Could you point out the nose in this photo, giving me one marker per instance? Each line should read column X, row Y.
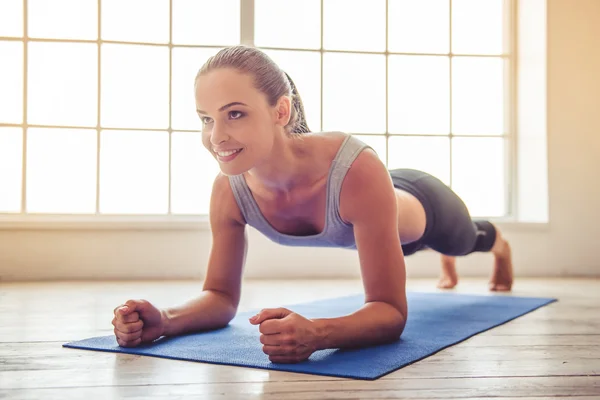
column 218, row 135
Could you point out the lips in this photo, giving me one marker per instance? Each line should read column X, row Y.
column 227, row 155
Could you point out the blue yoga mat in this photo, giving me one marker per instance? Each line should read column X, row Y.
column 436, row 321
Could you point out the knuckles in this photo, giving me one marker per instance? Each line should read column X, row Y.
column 127, row 327
column 263, row 339
column 133, row 327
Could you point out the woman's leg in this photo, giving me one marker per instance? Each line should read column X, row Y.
column 502, row 274
column 451, row 231
column 448, row 276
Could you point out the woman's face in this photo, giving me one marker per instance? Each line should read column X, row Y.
column 238, row 123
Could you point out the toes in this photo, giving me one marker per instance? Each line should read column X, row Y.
column 446, row 284
column 500, row 287
column 503, row 288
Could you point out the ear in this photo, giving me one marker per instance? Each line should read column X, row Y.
column 283, row 111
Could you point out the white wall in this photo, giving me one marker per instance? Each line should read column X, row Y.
column 567, row 246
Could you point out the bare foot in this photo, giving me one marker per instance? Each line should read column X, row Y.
column 449, row 278
column 502, row 275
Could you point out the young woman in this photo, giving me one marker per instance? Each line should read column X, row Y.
column 301, row 188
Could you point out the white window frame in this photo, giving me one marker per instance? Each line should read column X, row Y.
column 26, row 220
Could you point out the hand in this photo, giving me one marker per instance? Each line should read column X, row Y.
column 137, row 321
column 287, row 337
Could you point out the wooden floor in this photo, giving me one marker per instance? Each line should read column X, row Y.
column 553, row 352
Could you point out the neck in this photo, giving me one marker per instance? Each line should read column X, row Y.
column 288, row 166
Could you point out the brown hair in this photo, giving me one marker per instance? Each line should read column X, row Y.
column 268, row 78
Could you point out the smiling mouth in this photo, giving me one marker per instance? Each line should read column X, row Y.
column 227, row 153
column 226, row 156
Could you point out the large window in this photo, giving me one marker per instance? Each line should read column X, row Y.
column 97, row 112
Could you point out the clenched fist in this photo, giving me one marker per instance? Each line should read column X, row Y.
column 287, row 337
column 137, row 321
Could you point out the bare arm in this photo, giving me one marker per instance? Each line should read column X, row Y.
column 368, row 202
column 216, row 306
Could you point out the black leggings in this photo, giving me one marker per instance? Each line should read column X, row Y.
column 449, row 228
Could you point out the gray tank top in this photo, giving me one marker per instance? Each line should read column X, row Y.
column 336, row 233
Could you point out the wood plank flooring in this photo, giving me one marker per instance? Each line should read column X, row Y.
column 553, row 352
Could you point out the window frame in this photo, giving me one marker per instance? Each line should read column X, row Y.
column 26, row 220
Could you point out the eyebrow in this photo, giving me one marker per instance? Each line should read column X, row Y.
column 226, row 106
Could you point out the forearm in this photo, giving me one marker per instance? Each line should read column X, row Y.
column 210, row 310
column 375, row 323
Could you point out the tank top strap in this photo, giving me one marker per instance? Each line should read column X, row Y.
column 348, row 152
column 245, row 201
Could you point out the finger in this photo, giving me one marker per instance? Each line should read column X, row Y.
column 131, row 306
column 137, row 305
column 272, row 340
column 292, row 356
column 129, row 344
column 117, row 307
column 286, row 359
column 128, row 318
column 269, row 313
column 123, row 309
column 130, row 327
column 276, row 350
column 128, row 337
column 271, row 327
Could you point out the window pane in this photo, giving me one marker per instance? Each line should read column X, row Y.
column 135, row 86
column 136, row 20
column 11, row 159
column 134, row 172
column 272, row 23
column 11, row 18
column 187, row 62
column 478, row 174
column 477, row 96
column 429, row 154
column 354, row 93
column 193, row 170
column 419, row 94
column 62, row 84
column 477, row 26
column 63, row 19
column 206, row 22
column 61, row 170
column 11, row 82
column 421, row 26
column 377, row 142
column 304, row 68
column 353, row 25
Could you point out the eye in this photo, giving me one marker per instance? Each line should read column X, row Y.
column 206, row 120
column 235, row 114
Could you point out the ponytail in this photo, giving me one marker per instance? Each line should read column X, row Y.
column 297, row 124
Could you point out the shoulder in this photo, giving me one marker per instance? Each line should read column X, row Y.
column 330, row 140
column 367, row 171
column 223, row 205
column 367, row 188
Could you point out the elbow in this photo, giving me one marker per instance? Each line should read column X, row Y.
column 398, row 330
column 398, row 325
column 391, row 320
column 228, row 315
column 394, row 324
column 223, row 319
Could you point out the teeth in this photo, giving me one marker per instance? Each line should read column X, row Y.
column 227, row 153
